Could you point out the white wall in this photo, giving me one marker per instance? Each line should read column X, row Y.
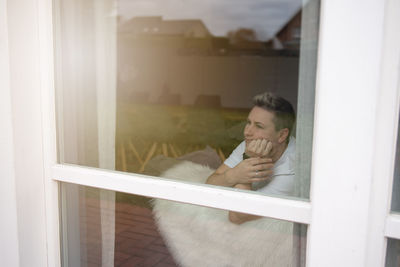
column 8, row 206
column 22, row 168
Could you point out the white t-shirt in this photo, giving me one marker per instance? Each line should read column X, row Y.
column 282, row 182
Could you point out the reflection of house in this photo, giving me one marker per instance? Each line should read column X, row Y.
column 289, row 35
column 189, row 37
column 157, row 26
column 201, row 69
column 184, row 37
column 249, row 48
column 243, row 41
column 220, row 45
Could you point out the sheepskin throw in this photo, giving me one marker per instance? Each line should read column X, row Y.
column 201, row 236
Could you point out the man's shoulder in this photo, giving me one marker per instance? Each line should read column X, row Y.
column 291, row 148
column 236, row 156
column 286, row 164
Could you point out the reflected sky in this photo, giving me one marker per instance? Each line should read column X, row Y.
column 266, row 17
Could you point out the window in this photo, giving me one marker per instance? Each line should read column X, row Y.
column 167, row 103
column 143, row 103
column 168, row 233
column 343, row 193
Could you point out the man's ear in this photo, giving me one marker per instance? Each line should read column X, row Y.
column 283, row 135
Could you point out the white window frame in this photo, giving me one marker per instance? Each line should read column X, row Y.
column 348, row 216
column 382, row 223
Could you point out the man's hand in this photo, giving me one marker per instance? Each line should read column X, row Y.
column 259, row 148
column 250, row 171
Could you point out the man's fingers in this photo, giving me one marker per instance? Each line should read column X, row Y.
column 257, row 148
column 253, row 144
column 261, row 146
column 268, row 148
column 262, row 167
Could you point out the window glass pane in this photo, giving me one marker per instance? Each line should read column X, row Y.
column 396, row 182
column 145, row 85
column 102, row 228
column 393, row 253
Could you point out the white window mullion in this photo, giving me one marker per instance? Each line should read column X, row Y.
column 47, row 93
column 346, row 98
column 385, row 141
column 253, row 203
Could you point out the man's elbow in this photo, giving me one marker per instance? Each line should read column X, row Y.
column 235, row 218
column 239, row 218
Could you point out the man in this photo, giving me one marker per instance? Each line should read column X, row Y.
column 265, row 160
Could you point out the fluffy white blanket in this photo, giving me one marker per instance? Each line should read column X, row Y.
column 201, row 236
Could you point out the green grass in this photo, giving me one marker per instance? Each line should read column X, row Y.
column 186, row 128
column 181, row 125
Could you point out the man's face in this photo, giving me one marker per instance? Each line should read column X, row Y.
column 260, row 125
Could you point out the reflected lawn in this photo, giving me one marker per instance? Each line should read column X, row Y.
column 148, row 130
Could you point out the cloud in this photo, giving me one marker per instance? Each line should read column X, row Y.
column 127, row 7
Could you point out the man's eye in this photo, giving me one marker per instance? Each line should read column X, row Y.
column 259, row 126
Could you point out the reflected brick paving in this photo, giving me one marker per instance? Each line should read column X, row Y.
column 137, row 240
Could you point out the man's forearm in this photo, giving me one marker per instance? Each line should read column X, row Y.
column 220, row 179
column 238, row 217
